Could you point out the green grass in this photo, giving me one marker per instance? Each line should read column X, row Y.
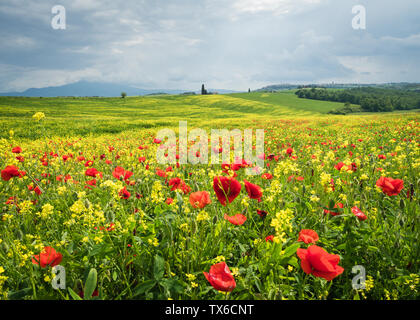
column 159, row 249
column 95, row 116
column 287, row 99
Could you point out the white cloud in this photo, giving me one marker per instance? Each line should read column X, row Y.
column 233, row 44
column 412, row 40
column 24, row 78
column 17, row 42
column 86, row 4
column 275, row 6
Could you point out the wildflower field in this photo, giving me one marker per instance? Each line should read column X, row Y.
column 80, row 188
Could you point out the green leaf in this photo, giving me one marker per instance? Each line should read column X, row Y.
column 158, row 210
column 70, row 247
column 276, row 250
column 287, row 278
column 159, row 267
column 341, row 246
column 331, row 204
column 74, row 295
column 144, row 287
column 172, row 285
column 293, row 261
column 291, row 250
column 402, row 204
column 17, row 295
column 180, row 201
column 90, row 284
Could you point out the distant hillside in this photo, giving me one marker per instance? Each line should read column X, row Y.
column 95, row 89
column 401, row 85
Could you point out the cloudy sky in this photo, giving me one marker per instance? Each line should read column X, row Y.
column 230, row 44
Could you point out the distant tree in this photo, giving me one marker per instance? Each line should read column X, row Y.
column 249, row 90
column 203, row 90
column 123, row 95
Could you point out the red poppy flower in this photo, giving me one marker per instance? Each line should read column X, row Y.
column 48, row 257
column 226, row 189
column 269, row 238
column 157, row 141
column 220, row 277
column 319, row 262
column 11, row 200
column 124, row 194
column 339, row 165
column 89, row 163
column 352, row 167
column 92, row 172
column 185, row 188
column 293, row 177
column 289, row 151
column 94, row 294
column 200, row 199
column 308, row 236
column 175, row 183
column 236, row 166
column 337, row 205
column 118, row 172
column 267, row 176
column 91, row 182
column 389, row 186
column 10, row 172
column 358, row 213
column 169, row 201
column 237, row 219
column 17, row 150
column 254, row 191
column 262, row 213
column 161, row 173
column 38, row 190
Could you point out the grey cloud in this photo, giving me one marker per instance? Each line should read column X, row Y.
column 231, row 44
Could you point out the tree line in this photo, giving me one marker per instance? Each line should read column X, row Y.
column 370, row 99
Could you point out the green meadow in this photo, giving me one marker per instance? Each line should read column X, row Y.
column 334, row 192
column 83, row 116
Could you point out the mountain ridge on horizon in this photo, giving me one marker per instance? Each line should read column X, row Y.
column 106, row 89
column 96, row 89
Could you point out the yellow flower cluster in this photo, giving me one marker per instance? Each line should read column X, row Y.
column 26, row 206
column 47, row 210
column 154, row 242
column 413, row 282
column 156, row 194
column 282, row 223
column 2, row 281
column 38, row 116
column 202, row 216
